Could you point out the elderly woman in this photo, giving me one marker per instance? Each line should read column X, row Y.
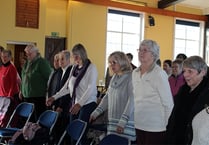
column 119, row 98
column 190, row 100
column 152, row 96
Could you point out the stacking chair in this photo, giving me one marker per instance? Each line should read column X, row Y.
column 75, row 130
column 47, row 120
column 113, row 139
column 23, row 110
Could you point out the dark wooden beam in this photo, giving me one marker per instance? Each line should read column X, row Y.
column 166, row 3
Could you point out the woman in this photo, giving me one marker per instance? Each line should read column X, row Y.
column 119, row 98
column 53, row 78
column 190, row 100
column 167, row 67
column 176, row 80
column 152, row 96
column 81, row 85
column 9, row 87
column 200, row 125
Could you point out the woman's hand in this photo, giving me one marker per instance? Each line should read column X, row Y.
column 119, row 129
column 75, row 109
column 49, row 101
column 91, row 119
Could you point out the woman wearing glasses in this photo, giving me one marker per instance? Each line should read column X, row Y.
column 152, row 96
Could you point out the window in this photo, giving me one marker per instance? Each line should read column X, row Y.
column 188, row 38
column 124, row 33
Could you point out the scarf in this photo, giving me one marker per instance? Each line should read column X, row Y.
column 80, row 75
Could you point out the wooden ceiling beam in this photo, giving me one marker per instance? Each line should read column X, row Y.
column 166, row 3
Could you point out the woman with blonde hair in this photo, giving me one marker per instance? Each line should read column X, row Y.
column 119, row 99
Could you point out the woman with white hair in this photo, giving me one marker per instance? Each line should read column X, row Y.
column 152, row 96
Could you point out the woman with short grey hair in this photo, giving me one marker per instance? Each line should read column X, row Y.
column 196, row 62
column 189, row 101
column 152, row 46
column 152, row 96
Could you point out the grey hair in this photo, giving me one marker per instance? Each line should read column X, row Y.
column 195, row 62
column 122, row 60
column 80, row 50
column 153, row 47
column 66, row 53
column 31, row 47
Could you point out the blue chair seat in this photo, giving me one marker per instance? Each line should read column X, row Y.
column 23, row 110
column 113, row 139
column 8, row 132
column 75, row 130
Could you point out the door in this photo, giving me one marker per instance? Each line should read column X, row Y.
column 53, row 45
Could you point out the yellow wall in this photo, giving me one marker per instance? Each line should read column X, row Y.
column 88, row 26
column 83, row 23
column 189, row 10
column 163, row 34
column 10, row 32
column 52, row 17
column 56, row 14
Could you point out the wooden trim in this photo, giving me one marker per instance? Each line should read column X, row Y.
column 150, row 10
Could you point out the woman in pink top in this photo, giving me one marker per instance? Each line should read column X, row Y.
column 176, row 80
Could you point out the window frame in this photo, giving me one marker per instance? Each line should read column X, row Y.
column 189, row 22
column 141, row 32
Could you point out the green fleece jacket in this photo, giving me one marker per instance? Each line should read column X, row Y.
column 35, row 75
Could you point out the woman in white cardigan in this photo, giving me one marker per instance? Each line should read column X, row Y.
column 152, row 96
column 81, row 85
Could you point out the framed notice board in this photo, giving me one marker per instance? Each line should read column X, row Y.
column 27, row 13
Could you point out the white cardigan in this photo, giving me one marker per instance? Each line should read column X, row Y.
column 200, row 126
column 153, row 99
column 86, row 91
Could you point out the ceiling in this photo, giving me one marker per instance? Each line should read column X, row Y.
column 203, row 4
column 200, row 4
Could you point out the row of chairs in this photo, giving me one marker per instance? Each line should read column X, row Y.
column 48, row 119
column 77, row 128
column 24, row 111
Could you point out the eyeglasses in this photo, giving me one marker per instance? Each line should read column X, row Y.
column 112, row 62
column 143, row 50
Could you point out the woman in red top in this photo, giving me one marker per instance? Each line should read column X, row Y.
column 9, row 87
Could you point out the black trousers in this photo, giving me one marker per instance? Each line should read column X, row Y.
column 40, row 106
